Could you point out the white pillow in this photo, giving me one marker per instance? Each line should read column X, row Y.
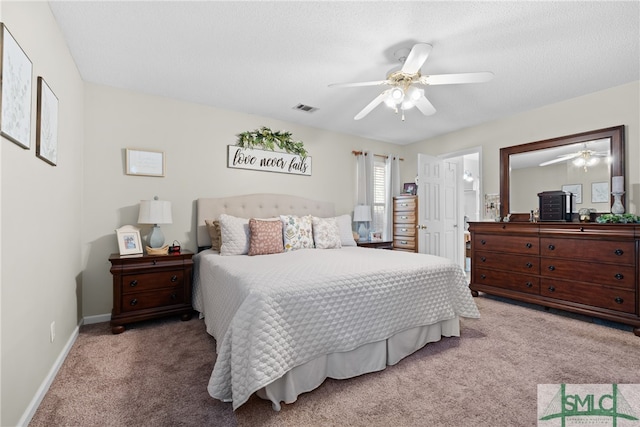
column 235, row 235
column 326, row 234
column 346, row 233
column 297, row 232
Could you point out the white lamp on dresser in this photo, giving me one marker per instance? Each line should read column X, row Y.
column 362, row 214
column 155, row 212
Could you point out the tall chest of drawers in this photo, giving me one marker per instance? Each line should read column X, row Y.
column 587, row 268
column 405, row 220
column 150, row 286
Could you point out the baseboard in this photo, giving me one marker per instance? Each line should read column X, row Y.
column 44, row 387
column 89, row 320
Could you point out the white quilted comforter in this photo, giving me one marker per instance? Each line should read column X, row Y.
column 271, row 313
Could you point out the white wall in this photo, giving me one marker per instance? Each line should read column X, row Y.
column 611, row 107
column 41, row 220
column 194, row 139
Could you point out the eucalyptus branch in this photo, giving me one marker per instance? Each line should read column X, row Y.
column 267, row 139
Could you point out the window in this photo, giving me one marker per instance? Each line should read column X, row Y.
column 378, row 222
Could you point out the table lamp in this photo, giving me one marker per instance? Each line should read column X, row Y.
column 362, row 214
column 155, row 212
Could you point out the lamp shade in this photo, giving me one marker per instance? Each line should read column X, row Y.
column 362, row 213
column 155, row 212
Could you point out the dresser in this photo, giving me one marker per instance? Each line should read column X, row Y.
column 586, row 268
column 150, row 286
column 405, row 221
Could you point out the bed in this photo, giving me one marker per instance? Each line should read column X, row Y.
column 284, row 322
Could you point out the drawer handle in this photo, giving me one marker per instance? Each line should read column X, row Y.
column 529, row 285
column 618, row 252
column 619, row 300
column 174, row 296
column 529, row 245
column 133, row 283
column 529, row 265
column 551, row 268
column 404, row 217
column 404, row 229
column 404, row 242
column 154, row 262
column 483, row 259
column 174, row 278
column 404, row 204
column 552, row 289
column 483, row 242
column 133, row 302
column 551, row 247
column 619, row 276
column 483, row 276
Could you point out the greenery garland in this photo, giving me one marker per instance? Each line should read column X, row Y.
column 267, row 139
column 618, row 218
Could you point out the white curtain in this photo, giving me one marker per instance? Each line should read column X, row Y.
column 392, row 188
column 365, row 179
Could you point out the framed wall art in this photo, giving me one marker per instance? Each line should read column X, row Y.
column 575, row 189
column 15, row 102
column 600, row 192
column 47, row 124
column 129, row 242
column 145, row 163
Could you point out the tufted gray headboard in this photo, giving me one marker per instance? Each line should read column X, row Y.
column 256, row 206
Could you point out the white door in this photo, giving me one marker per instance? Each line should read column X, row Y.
column 438, row 208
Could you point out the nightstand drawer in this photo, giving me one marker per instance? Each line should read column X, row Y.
column 159, row 298
column 147, row 281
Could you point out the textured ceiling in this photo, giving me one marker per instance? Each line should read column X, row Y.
column 264, row 58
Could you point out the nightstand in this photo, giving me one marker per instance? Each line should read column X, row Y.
column 377, row 245
column 150, row 286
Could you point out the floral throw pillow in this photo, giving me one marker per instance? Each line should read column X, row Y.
column 265, row 237
column 326, row 234
column 297, row 231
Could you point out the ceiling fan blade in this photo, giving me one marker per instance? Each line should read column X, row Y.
column 560, row 159
column 416, row 58
column 357, row 84
column 425, row 106
column 451, row 79
column 370, row 106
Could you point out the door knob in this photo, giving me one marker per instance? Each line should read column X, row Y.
column 421, row 227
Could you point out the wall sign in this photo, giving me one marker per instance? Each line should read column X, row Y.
column 267, row 161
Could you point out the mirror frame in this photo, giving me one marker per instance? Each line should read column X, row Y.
column 617, row 167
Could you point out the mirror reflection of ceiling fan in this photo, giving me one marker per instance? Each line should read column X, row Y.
column 406, row 89
column 583, row 158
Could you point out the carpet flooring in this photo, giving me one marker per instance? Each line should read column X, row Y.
column 156, row 374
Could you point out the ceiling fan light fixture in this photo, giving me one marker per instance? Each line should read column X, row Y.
column 397, row 95
column 579, row 161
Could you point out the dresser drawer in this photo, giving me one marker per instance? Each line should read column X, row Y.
column 405, row 243
column 404, row 218
column 585, row 249
column 622, row 276
column 501, row 243
column 160, row 298
column 517, row 263
column 404, row 230
column 506, row 280
column 404, row 205
column 147, row 281
column 594, row 295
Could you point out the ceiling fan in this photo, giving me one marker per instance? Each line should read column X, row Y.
column 582, row 158
column 406, row 91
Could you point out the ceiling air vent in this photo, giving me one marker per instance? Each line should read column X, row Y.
column 305, row 108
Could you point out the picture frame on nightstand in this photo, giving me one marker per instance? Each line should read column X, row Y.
column 129, row 242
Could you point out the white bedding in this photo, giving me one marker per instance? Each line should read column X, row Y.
column 271, row 313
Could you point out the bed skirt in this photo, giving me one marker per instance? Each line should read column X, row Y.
column 367, row 358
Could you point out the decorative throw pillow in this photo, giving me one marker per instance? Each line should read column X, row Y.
column 235, row 235
column 326, row 234
column 265, row 237
column 346, row 232
column 297, row 231
column 213, row 226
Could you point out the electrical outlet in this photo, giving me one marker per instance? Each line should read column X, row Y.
column 53, row 331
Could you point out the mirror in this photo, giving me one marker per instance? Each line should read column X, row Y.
column 582, row 164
